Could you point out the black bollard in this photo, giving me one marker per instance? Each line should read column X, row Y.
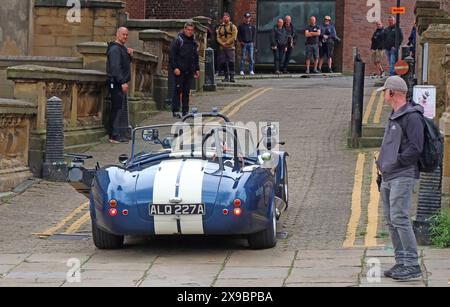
column 357, row 101
column 210, row 80
column 54, row 168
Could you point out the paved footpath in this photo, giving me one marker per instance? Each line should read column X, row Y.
column 322, row 237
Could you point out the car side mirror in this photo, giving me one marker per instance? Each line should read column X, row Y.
column 123, row 158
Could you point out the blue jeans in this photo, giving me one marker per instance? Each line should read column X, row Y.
column 390, row 53
column 248, row 47
column 396, row 196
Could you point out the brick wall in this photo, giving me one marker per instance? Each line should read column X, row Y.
column 136, row 8
column 167, row 9
column 351, row 20
column 358, row 31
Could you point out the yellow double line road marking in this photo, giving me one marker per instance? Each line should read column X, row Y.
column 372, row 214
column 51, row 231
column 356, row 202
column 78, row 223
column 233, row 107
column 370, row 106
column 370, row 237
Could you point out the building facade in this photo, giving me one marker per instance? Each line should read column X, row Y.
column 354, row 20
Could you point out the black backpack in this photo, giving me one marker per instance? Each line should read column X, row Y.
column 433, row 147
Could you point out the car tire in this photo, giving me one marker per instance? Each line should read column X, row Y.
column 266, row 238
column 105, row 240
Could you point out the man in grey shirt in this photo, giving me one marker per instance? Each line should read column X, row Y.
column 399, row 165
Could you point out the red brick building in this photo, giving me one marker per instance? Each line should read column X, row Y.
column 354, row 19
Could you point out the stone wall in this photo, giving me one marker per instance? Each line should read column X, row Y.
column 14, row 27
column 16, row 121
column 56, row 35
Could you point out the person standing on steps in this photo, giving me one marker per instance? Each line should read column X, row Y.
column 118, row 70
column 226, row 37
column 328, row 38
column 312, row 33
column 279, row 44
column 184, row 62
column 377, row 47
column 292, row 39
column 246, row 37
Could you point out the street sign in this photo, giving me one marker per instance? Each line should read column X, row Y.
column 398, row 10
column 401, row 68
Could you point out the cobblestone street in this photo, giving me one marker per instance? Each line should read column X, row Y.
column 321, row 240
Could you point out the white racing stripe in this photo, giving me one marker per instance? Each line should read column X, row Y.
column 190, row 191
column 163, row 189
column 191, row 187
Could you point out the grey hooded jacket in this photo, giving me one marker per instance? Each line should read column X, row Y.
column 402, row 143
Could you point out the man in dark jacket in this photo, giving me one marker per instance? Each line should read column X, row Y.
column 292, row 39
column 377, row 47
column 118, row 70
column 389, row 43
column 279, row 44
column 246, row 38
column 399, row 165
column 184, row 62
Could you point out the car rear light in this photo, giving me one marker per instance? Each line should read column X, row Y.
column 125, row 212
column 225, row 212
column 237, row 202
column 113, row 212
column 113, row 203
column 237, row 211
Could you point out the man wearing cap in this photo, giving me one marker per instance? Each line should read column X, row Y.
column 226, row 37
column 312, row 33
column 246, row 37
column 328, row 36
column 399, row 166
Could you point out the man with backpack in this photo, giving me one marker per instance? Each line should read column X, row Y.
column 399, row 161
column 227, row 34
column 184, row 62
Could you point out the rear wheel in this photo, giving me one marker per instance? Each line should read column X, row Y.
column 105, row 240
column 266, row 238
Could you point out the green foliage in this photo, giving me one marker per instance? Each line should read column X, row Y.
column 440, row 230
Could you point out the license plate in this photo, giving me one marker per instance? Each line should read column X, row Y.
column 180, row 209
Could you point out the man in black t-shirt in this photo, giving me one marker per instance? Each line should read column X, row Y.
column 312, row 33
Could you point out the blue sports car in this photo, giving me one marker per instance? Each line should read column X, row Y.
column 212, row 178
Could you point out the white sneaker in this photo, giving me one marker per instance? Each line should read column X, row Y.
column 252, row 73
column 242, row 73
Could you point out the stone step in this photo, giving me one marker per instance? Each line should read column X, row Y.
column 81, row 148
column 142, row 105
column 137, row 118
column 367, row 142
column 373, row 131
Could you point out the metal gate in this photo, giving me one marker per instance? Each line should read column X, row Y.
column 300, row 11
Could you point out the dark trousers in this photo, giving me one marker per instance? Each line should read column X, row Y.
column 228, row 57
column 287, row 58
column 278, row 56
column 117, row 102
column 182, row 87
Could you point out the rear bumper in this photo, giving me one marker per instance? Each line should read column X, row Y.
column 216, row 224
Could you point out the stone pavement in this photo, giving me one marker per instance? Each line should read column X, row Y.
column 148, row 267
column 314, row 116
